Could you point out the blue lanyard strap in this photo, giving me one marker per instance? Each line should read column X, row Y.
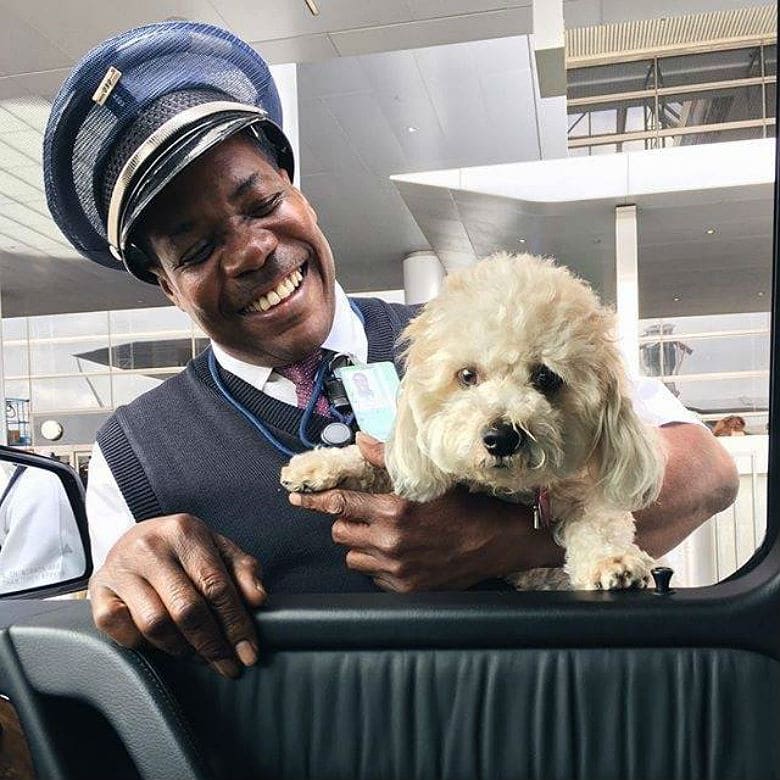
column 251, row 418
column 305, row 419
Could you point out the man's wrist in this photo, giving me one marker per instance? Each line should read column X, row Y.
column 522, row 547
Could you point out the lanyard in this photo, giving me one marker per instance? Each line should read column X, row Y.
column 305, row 419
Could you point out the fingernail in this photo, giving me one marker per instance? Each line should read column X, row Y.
column 226, row 668
column 295, row 499
column 247, row 652
column 259, row 586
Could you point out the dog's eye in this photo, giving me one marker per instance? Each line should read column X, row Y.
column 467, row 377
column 545, row 379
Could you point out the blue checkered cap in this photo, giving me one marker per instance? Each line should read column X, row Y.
column 134, row 112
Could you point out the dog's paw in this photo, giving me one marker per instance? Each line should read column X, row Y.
column 621, row 572
column 309, row 472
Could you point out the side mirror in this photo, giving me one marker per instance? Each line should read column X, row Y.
column 44, row 540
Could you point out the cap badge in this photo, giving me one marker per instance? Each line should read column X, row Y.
column 106, row 86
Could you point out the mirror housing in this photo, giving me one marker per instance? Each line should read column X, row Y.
column 68, row 488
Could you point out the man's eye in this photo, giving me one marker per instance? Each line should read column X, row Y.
column 267, row 206
column 545, row 379
column 199, row 254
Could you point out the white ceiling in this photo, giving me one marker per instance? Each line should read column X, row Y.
column 565, row 209
column 473, row 103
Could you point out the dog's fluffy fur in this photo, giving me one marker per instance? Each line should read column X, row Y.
column 502, row 319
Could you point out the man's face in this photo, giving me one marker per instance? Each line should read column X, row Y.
column 233, row 237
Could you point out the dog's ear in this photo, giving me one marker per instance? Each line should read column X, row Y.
column 414, row 475
column 627, row 458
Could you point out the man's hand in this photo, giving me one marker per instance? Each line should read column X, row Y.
column 172, row 583
column 452, row 543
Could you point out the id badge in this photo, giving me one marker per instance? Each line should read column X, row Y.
column 372, row 390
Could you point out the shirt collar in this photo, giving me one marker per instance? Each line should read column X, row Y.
column 347, row 335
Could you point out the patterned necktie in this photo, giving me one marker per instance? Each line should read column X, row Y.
column 303, row 375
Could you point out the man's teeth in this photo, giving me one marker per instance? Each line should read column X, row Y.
column 284, row 289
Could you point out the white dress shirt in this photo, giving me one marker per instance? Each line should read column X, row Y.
column 108, row 513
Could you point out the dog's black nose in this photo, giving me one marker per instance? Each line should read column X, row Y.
column 502, row 439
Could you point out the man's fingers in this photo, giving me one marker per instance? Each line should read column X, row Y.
column 112, row 616
column 352, row 534
column 187, row 605
column 364, row 562
column 207, row 576
column 245, row 569
column 376, row 568
column 350, row 504
column 371, row 449
column 154, row 622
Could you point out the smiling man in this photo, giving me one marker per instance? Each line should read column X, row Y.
column 164, row 153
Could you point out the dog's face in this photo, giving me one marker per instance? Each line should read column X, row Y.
column 514, row 382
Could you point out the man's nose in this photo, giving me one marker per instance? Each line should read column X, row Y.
column 249, row 249
column 502, row 439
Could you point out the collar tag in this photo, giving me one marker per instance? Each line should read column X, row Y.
column 542, row 510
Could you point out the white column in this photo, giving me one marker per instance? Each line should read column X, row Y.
column 549, row 47
column 286, row 80
column 423, row 274
column 627, row 277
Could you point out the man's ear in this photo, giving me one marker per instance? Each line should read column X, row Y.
column 165, row 285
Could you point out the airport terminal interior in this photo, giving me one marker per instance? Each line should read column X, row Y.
column 634, row 142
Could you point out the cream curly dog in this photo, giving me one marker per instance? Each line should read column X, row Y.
column 514, row 386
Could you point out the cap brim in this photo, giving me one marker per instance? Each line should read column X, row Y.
column 147, row 179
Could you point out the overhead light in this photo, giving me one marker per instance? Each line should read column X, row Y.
column 760, row 294
column 710, row 231
column 312, row 6
column 676, row 299
column 411, row 129
column 521, row 240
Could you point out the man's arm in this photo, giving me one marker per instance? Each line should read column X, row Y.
column 700, row 480
column 463, row 538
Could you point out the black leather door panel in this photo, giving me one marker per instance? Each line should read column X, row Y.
column 683, row 714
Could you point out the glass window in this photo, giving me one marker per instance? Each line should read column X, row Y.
column 709, row 66
column 17, row 388
column 71, row 393
column 708, row 323
column 722, row 396
column 770, row 60
column 711, row 107
column 771, row 98
column 610, row 79
column 636, row 146
column 628, row 116
column 84, row 356
column 603, row 149
column 15, row 359
column 127, row 387
column 715, row 355
column 153, row 320
column 14, row 328
column 17, row 413
column 712, row 137
column 62, row 325
column 143, row 352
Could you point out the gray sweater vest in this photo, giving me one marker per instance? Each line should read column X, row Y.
column 182, row 448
